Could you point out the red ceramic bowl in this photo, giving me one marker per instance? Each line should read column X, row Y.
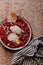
column 17, row 48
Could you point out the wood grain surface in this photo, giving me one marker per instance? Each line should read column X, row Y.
column 32, row 11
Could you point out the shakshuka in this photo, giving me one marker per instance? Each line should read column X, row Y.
column 14, row 35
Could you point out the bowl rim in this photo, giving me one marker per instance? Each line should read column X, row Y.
column 27, row 41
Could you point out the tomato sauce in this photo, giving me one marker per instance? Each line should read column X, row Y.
column 23, row 37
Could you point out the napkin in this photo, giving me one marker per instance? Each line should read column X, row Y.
column 32, row 50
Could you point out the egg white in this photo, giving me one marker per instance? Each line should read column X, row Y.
column 12, row 37
column 15, row 29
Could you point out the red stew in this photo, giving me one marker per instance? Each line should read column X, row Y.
column 5, row 31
